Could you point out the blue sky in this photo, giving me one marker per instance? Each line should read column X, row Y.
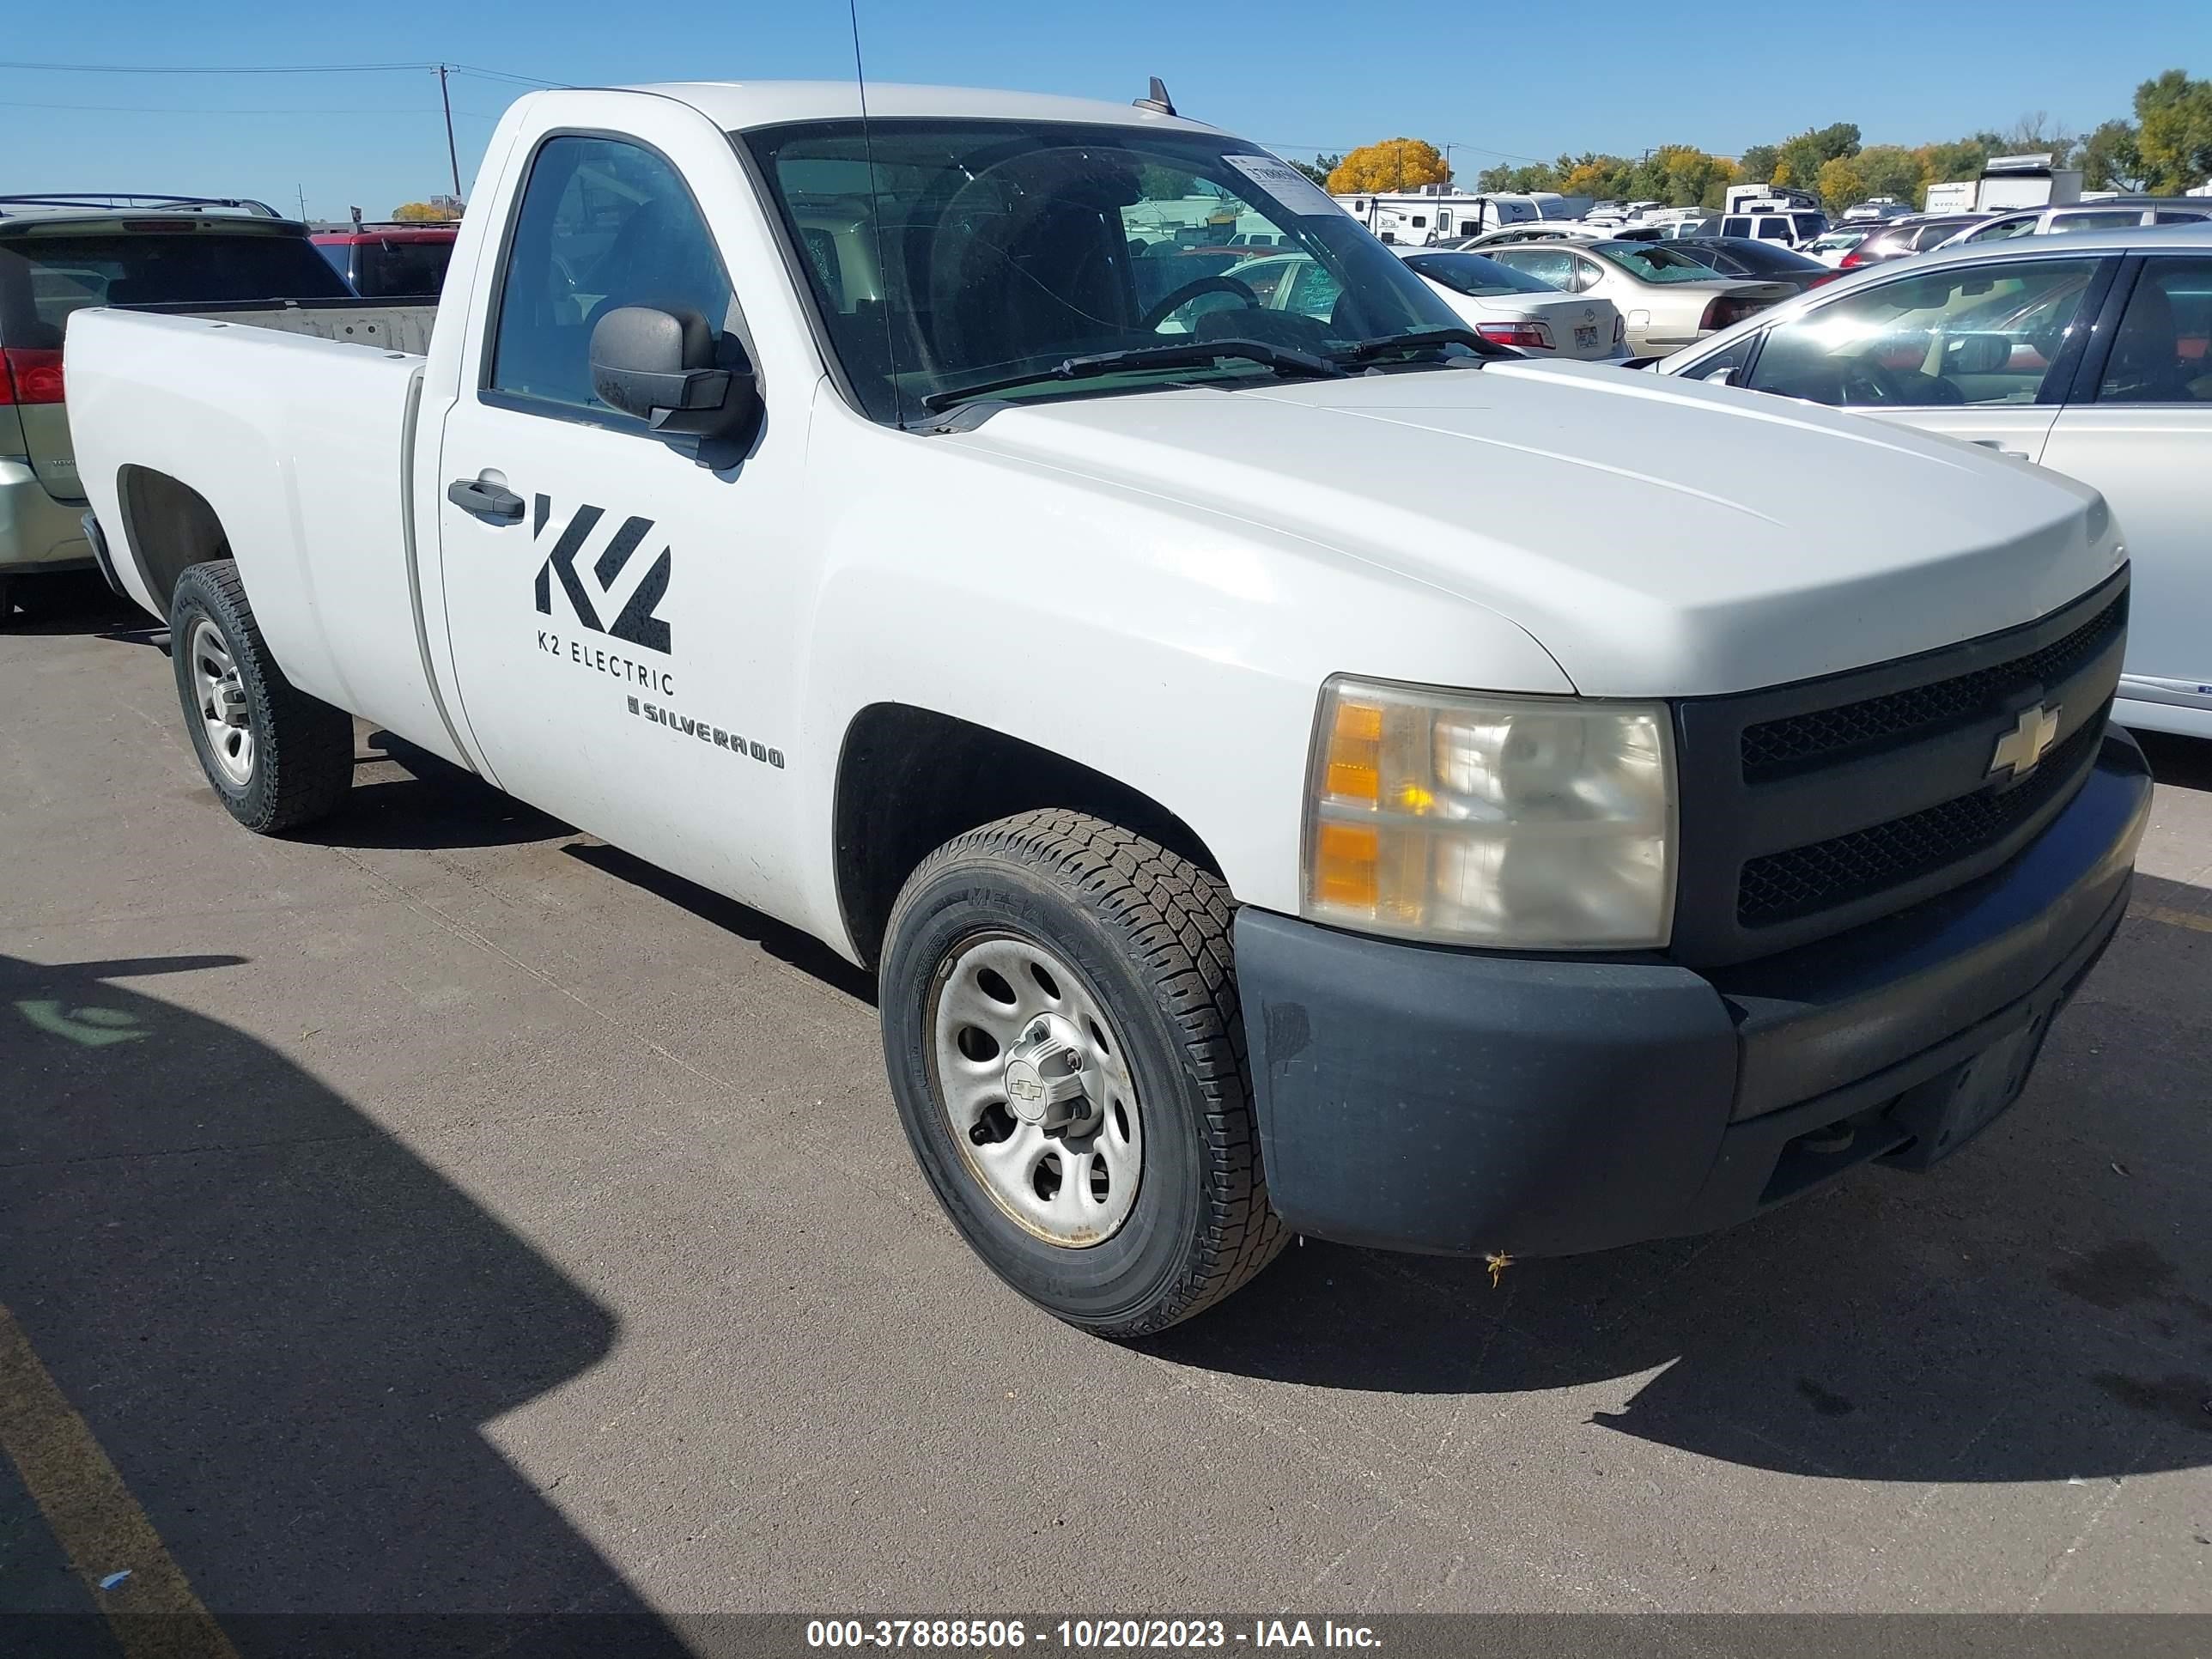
column 1291, row 74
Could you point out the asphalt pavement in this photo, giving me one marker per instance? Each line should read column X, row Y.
column 443, row 1212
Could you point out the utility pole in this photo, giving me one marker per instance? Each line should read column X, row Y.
column 303, row 202
column 452, row 155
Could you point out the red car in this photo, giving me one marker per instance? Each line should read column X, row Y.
column 390, row 262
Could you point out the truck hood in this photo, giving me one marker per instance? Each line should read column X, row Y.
column 1659, row 537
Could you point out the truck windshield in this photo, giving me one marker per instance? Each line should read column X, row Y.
column 947, row 254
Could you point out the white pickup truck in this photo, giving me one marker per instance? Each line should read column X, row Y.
column 1264, row 811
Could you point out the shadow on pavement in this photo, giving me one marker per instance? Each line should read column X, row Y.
column 75, row 602
column 783, row 942
column 287, row 1331
column 431, row 803
column 2038, row 1308
column 2178, row 762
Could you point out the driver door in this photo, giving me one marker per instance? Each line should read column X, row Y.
column 1980, row 353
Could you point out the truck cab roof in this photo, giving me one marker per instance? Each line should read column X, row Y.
column 736, row 105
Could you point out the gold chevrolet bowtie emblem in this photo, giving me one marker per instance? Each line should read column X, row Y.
column 2020, row 749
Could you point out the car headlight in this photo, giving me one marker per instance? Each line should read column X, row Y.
column 1514, row 823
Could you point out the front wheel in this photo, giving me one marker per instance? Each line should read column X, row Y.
column 277, row 757
column 1060, row 1025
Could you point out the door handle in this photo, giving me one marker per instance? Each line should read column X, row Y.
column 486, row 500
column 1997, row 444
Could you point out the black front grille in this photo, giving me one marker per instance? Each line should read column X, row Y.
column 1782, row 886
column 1777, row 747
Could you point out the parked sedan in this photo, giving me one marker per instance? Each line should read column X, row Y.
column 1765, row 262
column 2090, row 353
column 1540, row 230
column 1667, row 299
column 1512, row 308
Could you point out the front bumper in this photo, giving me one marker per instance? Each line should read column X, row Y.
column 38, row 532
column 1423, row 1098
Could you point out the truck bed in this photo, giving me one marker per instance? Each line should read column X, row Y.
column 347, row 322
column 296, row 439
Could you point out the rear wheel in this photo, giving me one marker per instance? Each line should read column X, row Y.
column 1061, row 1023
column 277, row 757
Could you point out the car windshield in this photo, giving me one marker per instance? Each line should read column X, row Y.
column 945, row 254
column 1652, row 262
column 1475, row 276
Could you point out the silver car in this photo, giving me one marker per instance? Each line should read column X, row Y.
column 2089, row 354
column 2118, row 213
column 1666, row 299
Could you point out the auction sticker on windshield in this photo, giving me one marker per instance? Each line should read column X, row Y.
column 1285, row 183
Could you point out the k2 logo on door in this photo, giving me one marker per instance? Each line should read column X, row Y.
column 563, row 545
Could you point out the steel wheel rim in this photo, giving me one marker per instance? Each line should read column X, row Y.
column 1071, row 1184
column 222, row 699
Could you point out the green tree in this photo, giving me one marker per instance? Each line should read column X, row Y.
column 1890, row 170
column 1812, row 150
column 2111, row 159
column 1756, row 166
column 2173, row 116
column 1520, row 180
column 1319, row 169
column 1392, row 164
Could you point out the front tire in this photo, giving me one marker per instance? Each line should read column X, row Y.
column 276, row 758
column 1062, row 1030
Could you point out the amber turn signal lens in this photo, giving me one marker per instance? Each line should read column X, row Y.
column 1345, row 865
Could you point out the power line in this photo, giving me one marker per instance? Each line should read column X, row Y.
column 158, row 109
column 275, row 69
column 206, row 69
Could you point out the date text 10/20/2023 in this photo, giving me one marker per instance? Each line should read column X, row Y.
column 1088, row 1635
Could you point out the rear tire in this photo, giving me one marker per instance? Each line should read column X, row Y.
column 276, row 758
column 1139, row 1199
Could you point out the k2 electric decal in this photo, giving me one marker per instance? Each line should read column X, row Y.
column 559, row 546
column 634, row 621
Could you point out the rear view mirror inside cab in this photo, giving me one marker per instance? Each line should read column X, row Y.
column 1976, row 354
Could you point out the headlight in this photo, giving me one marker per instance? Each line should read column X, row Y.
column 1517, row 823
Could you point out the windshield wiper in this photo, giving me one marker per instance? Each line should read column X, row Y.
column 1417, row 339
column 1199, row 354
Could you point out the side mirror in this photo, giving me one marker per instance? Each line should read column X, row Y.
column 1722, row 376
column 664, row 368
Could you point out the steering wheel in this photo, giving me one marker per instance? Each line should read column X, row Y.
column 1167, row 307
column 1868, row 383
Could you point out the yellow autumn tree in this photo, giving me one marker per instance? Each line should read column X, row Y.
column 420, row 213
column 1840, row 184
column 1394, row 164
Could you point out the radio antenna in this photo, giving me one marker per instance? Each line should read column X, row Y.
column 876, row 222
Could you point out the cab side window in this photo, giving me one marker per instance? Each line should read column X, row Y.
column 2162, row 351
column 603, row 224
column 1966, row 334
